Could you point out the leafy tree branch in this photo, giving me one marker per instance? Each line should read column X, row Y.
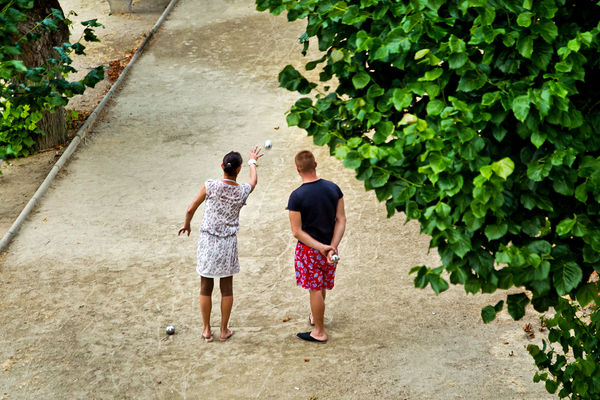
column 479, row 119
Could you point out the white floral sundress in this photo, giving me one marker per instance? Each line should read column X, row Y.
column 217, row 244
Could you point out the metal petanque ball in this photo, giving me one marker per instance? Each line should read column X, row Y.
column 170, row 330
column 268, row 144
column 335, row 258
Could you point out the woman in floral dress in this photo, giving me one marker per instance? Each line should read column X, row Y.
column 217, row 244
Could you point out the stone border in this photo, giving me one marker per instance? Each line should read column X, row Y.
column 81, row 133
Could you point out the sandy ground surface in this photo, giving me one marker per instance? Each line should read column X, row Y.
column 120, row 36
column 95, row 276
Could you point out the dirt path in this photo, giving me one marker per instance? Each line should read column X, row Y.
column 121, row 34
column 96, row 275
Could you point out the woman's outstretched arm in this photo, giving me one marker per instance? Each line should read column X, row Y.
column 254, row 155
column 191, row 210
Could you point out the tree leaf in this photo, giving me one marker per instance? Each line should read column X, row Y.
column 421, row 53
column 313, row 64
column 538, row 171
column 538, row 138
column 352, row 160
column 565, row 226
column 78, row 48
column 547, row 30
column 375, row 91
column 499, row 305
column 293, row 119
column 471, row 81
column 432, row 75
column 422, row 277
column 524, row 19
column 336, row 55
column 496, row 231
column 361, row 80
column 351, row 15
column 461, row 246
column 438, row 162
column 503, row 168
column 490, row 98
column 18, row 65
column 382, row 131
column 488, row 314
column 457, row 60
column 402, row 98
column 438, row 284
column 516, row 305
column 379, row 178
column 456, row 44
column 289, row 78
column 442, row 209
column 551, row 386
column 435, row 107
column 566, row 277
column 587, row 294
column 525, row 46
column 520, row 107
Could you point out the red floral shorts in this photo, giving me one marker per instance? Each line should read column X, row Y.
column 313, row 272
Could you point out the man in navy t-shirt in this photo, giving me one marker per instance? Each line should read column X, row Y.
column 318, row 221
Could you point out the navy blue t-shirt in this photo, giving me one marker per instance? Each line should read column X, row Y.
column 317, row 203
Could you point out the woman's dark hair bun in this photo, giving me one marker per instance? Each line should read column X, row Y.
column 231, row 162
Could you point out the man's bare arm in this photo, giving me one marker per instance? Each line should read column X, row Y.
column 340, row 224
column 296, row 225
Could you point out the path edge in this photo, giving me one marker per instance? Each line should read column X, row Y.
column 81, row 133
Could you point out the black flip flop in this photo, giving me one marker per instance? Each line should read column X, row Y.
column 306, row 336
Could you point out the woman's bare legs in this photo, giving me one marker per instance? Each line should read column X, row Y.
column 226, row 286
column 206, row 288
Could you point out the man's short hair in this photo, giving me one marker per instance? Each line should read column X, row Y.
column 305, row 161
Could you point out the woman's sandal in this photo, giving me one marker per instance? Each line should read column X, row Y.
column 209, row 338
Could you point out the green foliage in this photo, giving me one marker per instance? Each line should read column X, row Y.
column 480, row 120
column 579, row 372
column 26, row 91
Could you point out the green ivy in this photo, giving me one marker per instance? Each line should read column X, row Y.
column 479, row 119
column 26, row 92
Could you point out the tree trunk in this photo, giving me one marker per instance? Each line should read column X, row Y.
column 55, row 127
column 36, row 54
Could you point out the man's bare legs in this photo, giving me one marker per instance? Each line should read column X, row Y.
column 317, row 307
column 206, row 287
column 310, row 317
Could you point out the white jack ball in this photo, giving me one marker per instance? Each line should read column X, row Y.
column 268, row 144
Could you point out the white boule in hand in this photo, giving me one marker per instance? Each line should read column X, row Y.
column 268, row 144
